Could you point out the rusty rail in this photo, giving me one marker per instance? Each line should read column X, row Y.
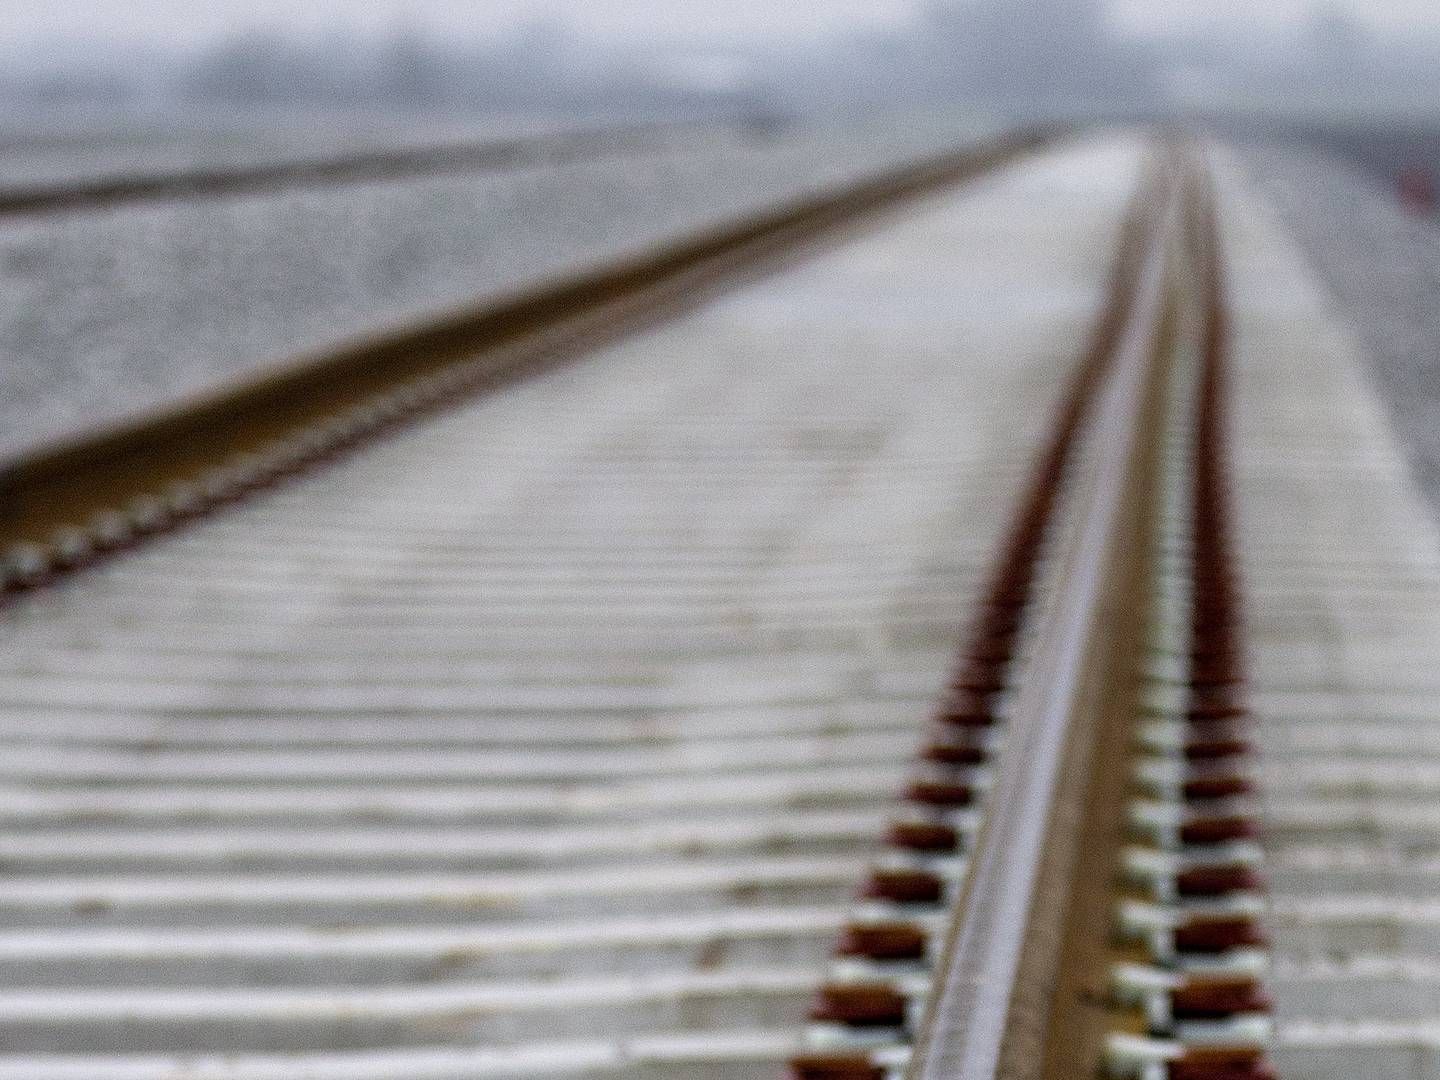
column 64, row 506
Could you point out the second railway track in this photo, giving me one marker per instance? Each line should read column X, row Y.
column 613, row 723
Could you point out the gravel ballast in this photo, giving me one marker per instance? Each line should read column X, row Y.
column 1383, row 265
column 109, row 312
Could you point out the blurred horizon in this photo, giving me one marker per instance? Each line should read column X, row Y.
column 1032, row 57
column 612, row 20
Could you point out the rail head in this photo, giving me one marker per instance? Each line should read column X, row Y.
column 982, row 1014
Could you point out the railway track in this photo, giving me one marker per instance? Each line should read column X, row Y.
column 65, row 505
column 612, row 722
column 372, row 166
column 1100, row 912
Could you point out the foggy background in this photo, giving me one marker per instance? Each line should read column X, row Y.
column 766, row 61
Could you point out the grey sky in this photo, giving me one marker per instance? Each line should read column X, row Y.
column 23, row 20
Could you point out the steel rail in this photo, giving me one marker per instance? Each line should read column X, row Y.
column 66, row 505
column 988, row 1014
column 356, row 167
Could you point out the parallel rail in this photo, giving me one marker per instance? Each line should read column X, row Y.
column 375, row 166
column 63, row 506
